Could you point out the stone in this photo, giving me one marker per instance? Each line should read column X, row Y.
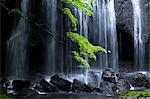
column 123, row 86
column 109, row 75
column 147, row 85
column 139, row 80
column 27, row 92
column 108, row 88
column 47, row 86
column 20, row 84
column 78, row 86
column 60, row 83
column 44, row 86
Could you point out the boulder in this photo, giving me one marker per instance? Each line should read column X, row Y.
column 79, row 86
column 109, row 75
column 20, row 84
column 147, row 85
column 94, row 77
column 138, row 80
column 108, row 88
column 27, row 92
column 123, row 85
column 44, row 86
column 60, row 83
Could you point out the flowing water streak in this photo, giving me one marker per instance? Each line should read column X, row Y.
column 51, row 43
column 105, row 21
column 103, row 27
column 17, row 63
column 139, row 51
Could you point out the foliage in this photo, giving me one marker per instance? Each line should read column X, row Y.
column 86, row 48
column 81, row 5
column 137, row 94
column 15, row 12
column 80, row 59
column 2, row 1
column 74, row 21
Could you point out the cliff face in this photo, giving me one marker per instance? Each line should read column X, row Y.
column 124, row 17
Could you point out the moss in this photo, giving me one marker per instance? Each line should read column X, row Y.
column 3, row 96
column 136, row 94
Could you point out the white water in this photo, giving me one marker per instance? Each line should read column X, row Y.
column 101, row 29
column 139, row 47
column 17, row 64
column 51, row 43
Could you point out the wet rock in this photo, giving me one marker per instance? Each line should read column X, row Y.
column 27, row 92
column 60, row 83
column 79, row 86
column 44, row 86
column 94, row 77
column 2, row 89
column 109, row 75
column 147, row 85
column 123, row 86
column 47, row 86
column 97, row 90
column 108, row 88
column 20, row 84
column 138, row 80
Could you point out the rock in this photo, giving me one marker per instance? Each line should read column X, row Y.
column 27, row 92
column 147, row 85
column 109, row 75
column 108, row 88
column 47, row 86
column 124, row 10
column 44, row 86
column 97, row 90
column 139, row 80
column 20, row 84
column 79, row 86
column 60, row 83
column 123, row 86
column 2, row 89
column 94, row 77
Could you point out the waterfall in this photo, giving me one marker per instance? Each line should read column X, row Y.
column 139, row 47
column 17, row 63
column 51, row 43
column 101, row 30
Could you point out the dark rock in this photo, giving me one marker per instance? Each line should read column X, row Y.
column 108, row 88
column 47, row 86
column 2, row 89
column 94, row 77
column 139, row 80
column 124, row 10
column 27, row 92
column 20, row 84
column 60, row 83
column 79, row 86
column 147, row 85
column 109, row 75
column 123, row 86
column 44, row 86
column 97, row 90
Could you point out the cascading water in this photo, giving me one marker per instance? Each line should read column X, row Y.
column 139, row 47
column 101, row 29
column 104, row 27
column 51, row 43
column 17, row 64
column 105, row 14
